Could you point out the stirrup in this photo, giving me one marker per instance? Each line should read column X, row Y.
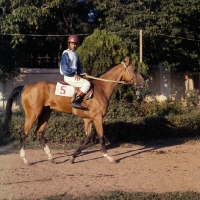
column 78, row 106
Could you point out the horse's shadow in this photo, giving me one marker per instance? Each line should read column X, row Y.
column 67, row 155
column 110, row 146
column 64, row 157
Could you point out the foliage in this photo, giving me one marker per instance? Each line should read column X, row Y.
column 137, row 108
column 123, row 123
column 100, row 50
column 38, row 27
column 120, row 195
column 43, row 17
column 103, row 49
column 170, row 29
column 57, row 130
column 192, row 98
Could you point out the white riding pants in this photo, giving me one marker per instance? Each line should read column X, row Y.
column 83, row 84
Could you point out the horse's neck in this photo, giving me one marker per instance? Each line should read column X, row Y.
column 113, row 74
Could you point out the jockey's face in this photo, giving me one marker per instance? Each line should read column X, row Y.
column 72, row 46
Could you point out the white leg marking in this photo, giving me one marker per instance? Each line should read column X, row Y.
column 48, row 152
column 23, row 156
column 108, row 157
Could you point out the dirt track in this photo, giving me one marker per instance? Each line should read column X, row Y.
column 139, row 168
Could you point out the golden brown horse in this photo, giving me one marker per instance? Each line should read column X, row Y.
column 39, row 99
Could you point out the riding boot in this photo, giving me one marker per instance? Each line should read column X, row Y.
column 76, row 103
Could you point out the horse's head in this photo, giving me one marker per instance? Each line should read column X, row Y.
column 131, row 75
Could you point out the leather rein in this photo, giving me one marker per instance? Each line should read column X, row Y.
column 122, row 82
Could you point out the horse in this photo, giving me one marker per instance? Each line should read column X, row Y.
column 39, row 99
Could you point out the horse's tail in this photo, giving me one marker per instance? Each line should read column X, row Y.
column 14, row 95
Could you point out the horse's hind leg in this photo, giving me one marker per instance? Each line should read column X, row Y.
column 88, row 130
column 42, row 122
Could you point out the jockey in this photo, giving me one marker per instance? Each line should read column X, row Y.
column 70, row 67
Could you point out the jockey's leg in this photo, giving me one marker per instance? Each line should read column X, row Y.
column 83, row 85
column 76, row 103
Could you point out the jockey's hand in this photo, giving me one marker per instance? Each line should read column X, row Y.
column 77, row 77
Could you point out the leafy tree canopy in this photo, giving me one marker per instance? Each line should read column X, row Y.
column 103, row 49
column 43, row 17
column 171, row 29
column 22, row 21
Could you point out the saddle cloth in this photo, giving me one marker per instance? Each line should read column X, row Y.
column 64, row 89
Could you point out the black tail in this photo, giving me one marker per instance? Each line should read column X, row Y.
column 15, row 94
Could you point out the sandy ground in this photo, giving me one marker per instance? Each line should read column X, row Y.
column 139, row 168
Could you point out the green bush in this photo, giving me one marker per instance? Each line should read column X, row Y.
column 124, row 122
column 61, row 128
column 107, row 49
column 139, row 108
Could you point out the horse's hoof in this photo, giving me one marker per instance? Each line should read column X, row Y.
column 27, row 163
column 51, row 160
column 113, row 161
column 71, row 158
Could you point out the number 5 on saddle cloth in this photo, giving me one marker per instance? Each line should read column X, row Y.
column 64, row 89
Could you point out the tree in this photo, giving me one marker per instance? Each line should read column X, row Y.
column 103, row 49
column 22, row 21
column 43, row 17
column 170, row 29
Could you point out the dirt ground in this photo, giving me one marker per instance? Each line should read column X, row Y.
column 139, row 168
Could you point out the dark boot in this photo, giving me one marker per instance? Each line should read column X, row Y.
column 76, row 103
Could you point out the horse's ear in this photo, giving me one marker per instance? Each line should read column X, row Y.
column 127, row 60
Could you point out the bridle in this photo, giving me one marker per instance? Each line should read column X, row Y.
column 126, row 69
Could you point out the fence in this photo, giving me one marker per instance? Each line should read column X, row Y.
column 42, row 61
column 18, row 58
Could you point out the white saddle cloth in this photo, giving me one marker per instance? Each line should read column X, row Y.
column 64, row 90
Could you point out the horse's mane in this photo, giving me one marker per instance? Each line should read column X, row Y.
column 127, row 58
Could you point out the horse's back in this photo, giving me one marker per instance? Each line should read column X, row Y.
column 42, row 93
column 37, row 93
column 39, row 88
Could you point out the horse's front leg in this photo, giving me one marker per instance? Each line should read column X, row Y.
column 99, row 128
column 88, row 130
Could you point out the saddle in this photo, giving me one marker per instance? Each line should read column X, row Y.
column 89, row 94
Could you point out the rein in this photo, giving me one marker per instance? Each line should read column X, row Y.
column 106, row 80
column 101, row 79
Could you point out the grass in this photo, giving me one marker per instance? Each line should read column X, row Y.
column 119, row 195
